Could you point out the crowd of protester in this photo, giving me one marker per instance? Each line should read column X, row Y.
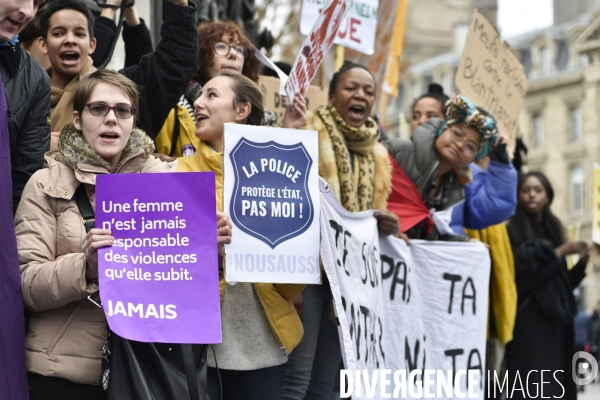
column 67, row 120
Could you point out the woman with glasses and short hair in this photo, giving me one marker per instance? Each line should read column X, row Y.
column 437, row 150
column 58, row 258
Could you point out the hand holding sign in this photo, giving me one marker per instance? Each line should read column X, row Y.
column 224, row 232
column 295, row 115
column 95, row 239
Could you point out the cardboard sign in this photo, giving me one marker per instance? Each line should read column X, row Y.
column 491, row 75
column 273, row 100
column 409, row 309
column 271, row 193
column 159, row 282
column 314, row 48
column 358, row 29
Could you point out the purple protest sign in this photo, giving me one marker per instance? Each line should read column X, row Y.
column 159, row 282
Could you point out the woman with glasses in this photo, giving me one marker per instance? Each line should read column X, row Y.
column 58, row 258
column 437, row 150
column 490, row 196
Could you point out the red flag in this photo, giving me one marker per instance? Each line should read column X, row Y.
column 405, row 200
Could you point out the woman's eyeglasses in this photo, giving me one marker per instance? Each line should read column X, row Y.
column 122, row 111
column 222, row 49
column 470, row 149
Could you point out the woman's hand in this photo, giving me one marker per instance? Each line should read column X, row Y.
column 95, row 239
column 298, row 302
column 224, row 230
column 295, row 114
column 575, row 247
column 387, row 223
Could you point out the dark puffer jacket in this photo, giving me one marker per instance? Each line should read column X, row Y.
column 27, row 92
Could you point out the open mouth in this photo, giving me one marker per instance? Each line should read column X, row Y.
column 69, row 57
column 356, row 112
column 109, row 136
column 200, row 117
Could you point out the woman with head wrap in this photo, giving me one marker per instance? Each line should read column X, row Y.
column 490, row 196
column 544, row 333
column 432, row 160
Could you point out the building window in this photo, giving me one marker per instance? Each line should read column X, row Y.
column 576, row 118
column 537, row 130
column 544, row 60
column 446, row 81
column 416, row 89
column 583, row 60
column 576, row 183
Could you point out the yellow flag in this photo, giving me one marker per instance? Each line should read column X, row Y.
column 596, row 216
column 392, row 67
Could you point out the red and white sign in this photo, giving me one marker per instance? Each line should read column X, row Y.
column 314, row 48
column 358, row 29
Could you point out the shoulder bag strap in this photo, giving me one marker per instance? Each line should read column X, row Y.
column 176, row 129
column 85, row 208
column 190, row 371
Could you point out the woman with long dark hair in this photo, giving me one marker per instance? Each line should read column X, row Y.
column 544, row 333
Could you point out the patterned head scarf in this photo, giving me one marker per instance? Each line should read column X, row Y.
column 461, row 110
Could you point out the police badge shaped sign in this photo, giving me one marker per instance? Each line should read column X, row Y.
column 271, row 193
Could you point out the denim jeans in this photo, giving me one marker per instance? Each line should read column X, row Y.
column 312, row 367
column 258, row 384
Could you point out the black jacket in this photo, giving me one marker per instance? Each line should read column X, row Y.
column 163, row 75
column 27, row 91
column 542, row 276
column 137, row 41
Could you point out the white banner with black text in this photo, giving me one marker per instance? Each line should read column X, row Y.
column 412, row 318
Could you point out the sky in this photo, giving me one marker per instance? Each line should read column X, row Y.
column 520, row 16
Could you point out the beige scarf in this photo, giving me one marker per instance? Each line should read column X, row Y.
column 350, row 159
column 74, row 149
column 61, row 100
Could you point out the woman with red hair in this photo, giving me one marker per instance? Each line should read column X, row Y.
column 222, row 46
